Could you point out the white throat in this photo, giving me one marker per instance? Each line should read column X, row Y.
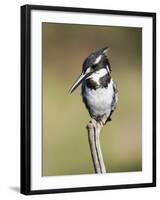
column 97, row 75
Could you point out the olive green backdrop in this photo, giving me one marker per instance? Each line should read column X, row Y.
column 65, row 142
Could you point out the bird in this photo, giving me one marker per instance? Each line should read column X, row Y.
column 99, row 91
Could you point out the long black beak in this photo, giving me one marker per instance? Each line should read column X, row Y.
column 77, row 82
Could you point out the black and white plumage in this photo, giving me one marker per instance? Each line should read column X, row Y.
column 99, row 91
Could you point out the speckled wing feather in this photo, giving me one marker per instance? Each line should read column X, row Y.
column 114, row 101
column 115, row 97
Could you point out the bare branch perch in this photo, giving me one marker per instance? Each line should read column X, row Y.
column 94, row 129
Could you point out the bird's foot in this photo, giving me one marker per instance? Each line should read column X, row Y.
column 94, row 123
column 103, row 120
column 97, row 124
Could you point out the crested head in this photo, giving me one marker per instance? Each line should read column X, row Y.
column 96, row 65
column 96, row 61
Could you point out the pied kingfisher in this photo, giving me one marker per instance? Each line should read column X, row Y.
column 99, row 90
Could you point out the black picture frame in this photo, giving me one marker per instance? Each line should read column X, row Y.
column 26, row 98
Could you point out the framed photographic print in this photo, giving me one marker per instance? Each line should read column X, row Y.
column 88, row 99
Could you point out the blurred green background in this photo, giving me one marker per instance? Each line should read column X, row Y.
column 65, row 141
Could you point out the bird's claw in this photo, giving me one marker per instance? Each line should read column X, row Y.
column 94, row 123
column 103, row 120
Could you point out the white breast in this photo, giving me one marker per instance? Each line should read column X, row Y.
column 99, row 100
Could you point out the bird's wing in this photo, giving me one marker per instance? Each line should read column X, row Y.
column 114, row 100
column 115, row 97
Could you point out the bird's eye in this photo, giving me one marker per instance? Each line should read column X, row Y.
column 94, row 66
